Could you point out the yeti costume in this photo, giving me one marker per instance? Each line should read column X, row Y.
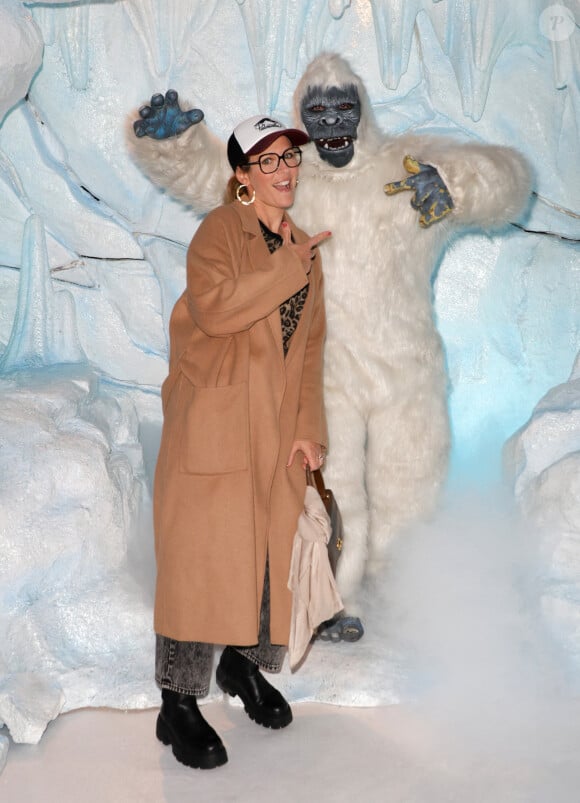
column 385, row 378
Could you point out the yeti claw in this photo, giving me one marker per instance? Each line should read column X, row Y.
column 164, row 118
column 341, row 628
column 430, row 194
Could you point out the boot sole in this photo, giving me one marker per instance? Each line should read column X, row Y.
column 276, row 722
column 189, row 755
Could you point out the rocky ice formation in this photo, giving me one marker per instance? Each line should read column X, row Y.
column 543, row 463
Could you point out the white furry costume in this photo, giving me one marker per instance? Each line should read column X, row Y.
column 385, row 380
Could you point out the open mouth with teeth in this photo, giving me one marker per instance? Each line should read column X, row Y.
column 334, row 143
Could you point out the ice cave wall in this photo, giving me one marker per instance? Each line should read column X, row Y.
column 499, row 72
column 92, row 259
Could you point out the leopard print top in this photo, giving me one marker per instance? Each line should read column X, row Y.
column 291, row 309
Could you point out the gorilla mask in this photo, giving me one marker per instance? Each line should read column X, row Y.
column 331, row 116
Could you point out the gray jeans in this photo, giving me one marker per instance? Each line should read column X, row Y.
column 186, row 666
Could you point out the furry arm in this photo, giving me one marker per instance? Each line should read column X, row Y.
column 489, row 185
column 192, row 167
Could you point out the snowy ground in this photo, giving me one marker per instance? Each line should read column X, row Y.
column 402, row 754
column 484, row 698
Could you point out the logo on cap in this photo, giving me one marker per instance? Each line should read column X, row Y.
column 267, row 122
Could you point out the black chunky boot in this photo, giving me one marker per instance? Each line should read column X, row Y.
column 193, row 741
column 236, row 675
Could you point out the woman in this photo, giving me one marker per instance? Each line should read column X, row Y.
column 243, row 417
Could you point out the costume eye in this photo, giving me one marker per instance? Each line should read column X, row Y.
column 344, row 107
column 318, row 108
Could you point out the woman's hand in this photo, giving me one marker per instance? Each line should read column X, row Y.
column 304, row 251
column 313, row 454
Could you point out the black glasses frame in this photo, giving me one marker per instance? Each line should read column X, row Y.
column 294, row 151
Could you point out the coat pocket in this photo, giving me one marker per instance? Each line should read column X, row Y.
column 216, row 430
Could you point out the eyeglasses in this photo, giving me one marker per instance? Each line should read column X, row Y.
column 270, row 162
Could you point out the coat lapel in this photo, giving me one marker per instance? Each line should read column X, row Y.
column 306, row 314
column 258, row 252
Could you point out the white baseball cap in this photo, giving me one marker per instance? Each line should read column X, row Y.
column 253, row 135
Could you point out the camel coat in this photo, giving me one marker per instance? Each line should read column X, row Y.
column 223, row 497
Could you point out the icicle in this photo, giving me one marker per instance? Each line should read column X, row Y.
column 558, row 24
column 473, row 35
column 394, row 23
column 561, row 58
column 74, row 43
column 338, row 7
column 152, row 30
column 274, row 33
column 66, row 346
column 10, row 177
column 46, row 19
column 188, row 31
column 318, row 16
column 168, row 31
column 43, row 333
column 29, row 343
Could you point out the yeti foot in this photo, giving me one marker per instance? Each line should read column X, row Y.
column 341, row 628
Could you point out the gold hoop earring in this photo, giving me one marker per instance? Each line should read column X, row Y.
column 245, row 203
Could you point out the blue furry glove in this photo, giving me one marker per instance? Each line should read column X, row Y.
column 430, row 195
column 163, row 118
